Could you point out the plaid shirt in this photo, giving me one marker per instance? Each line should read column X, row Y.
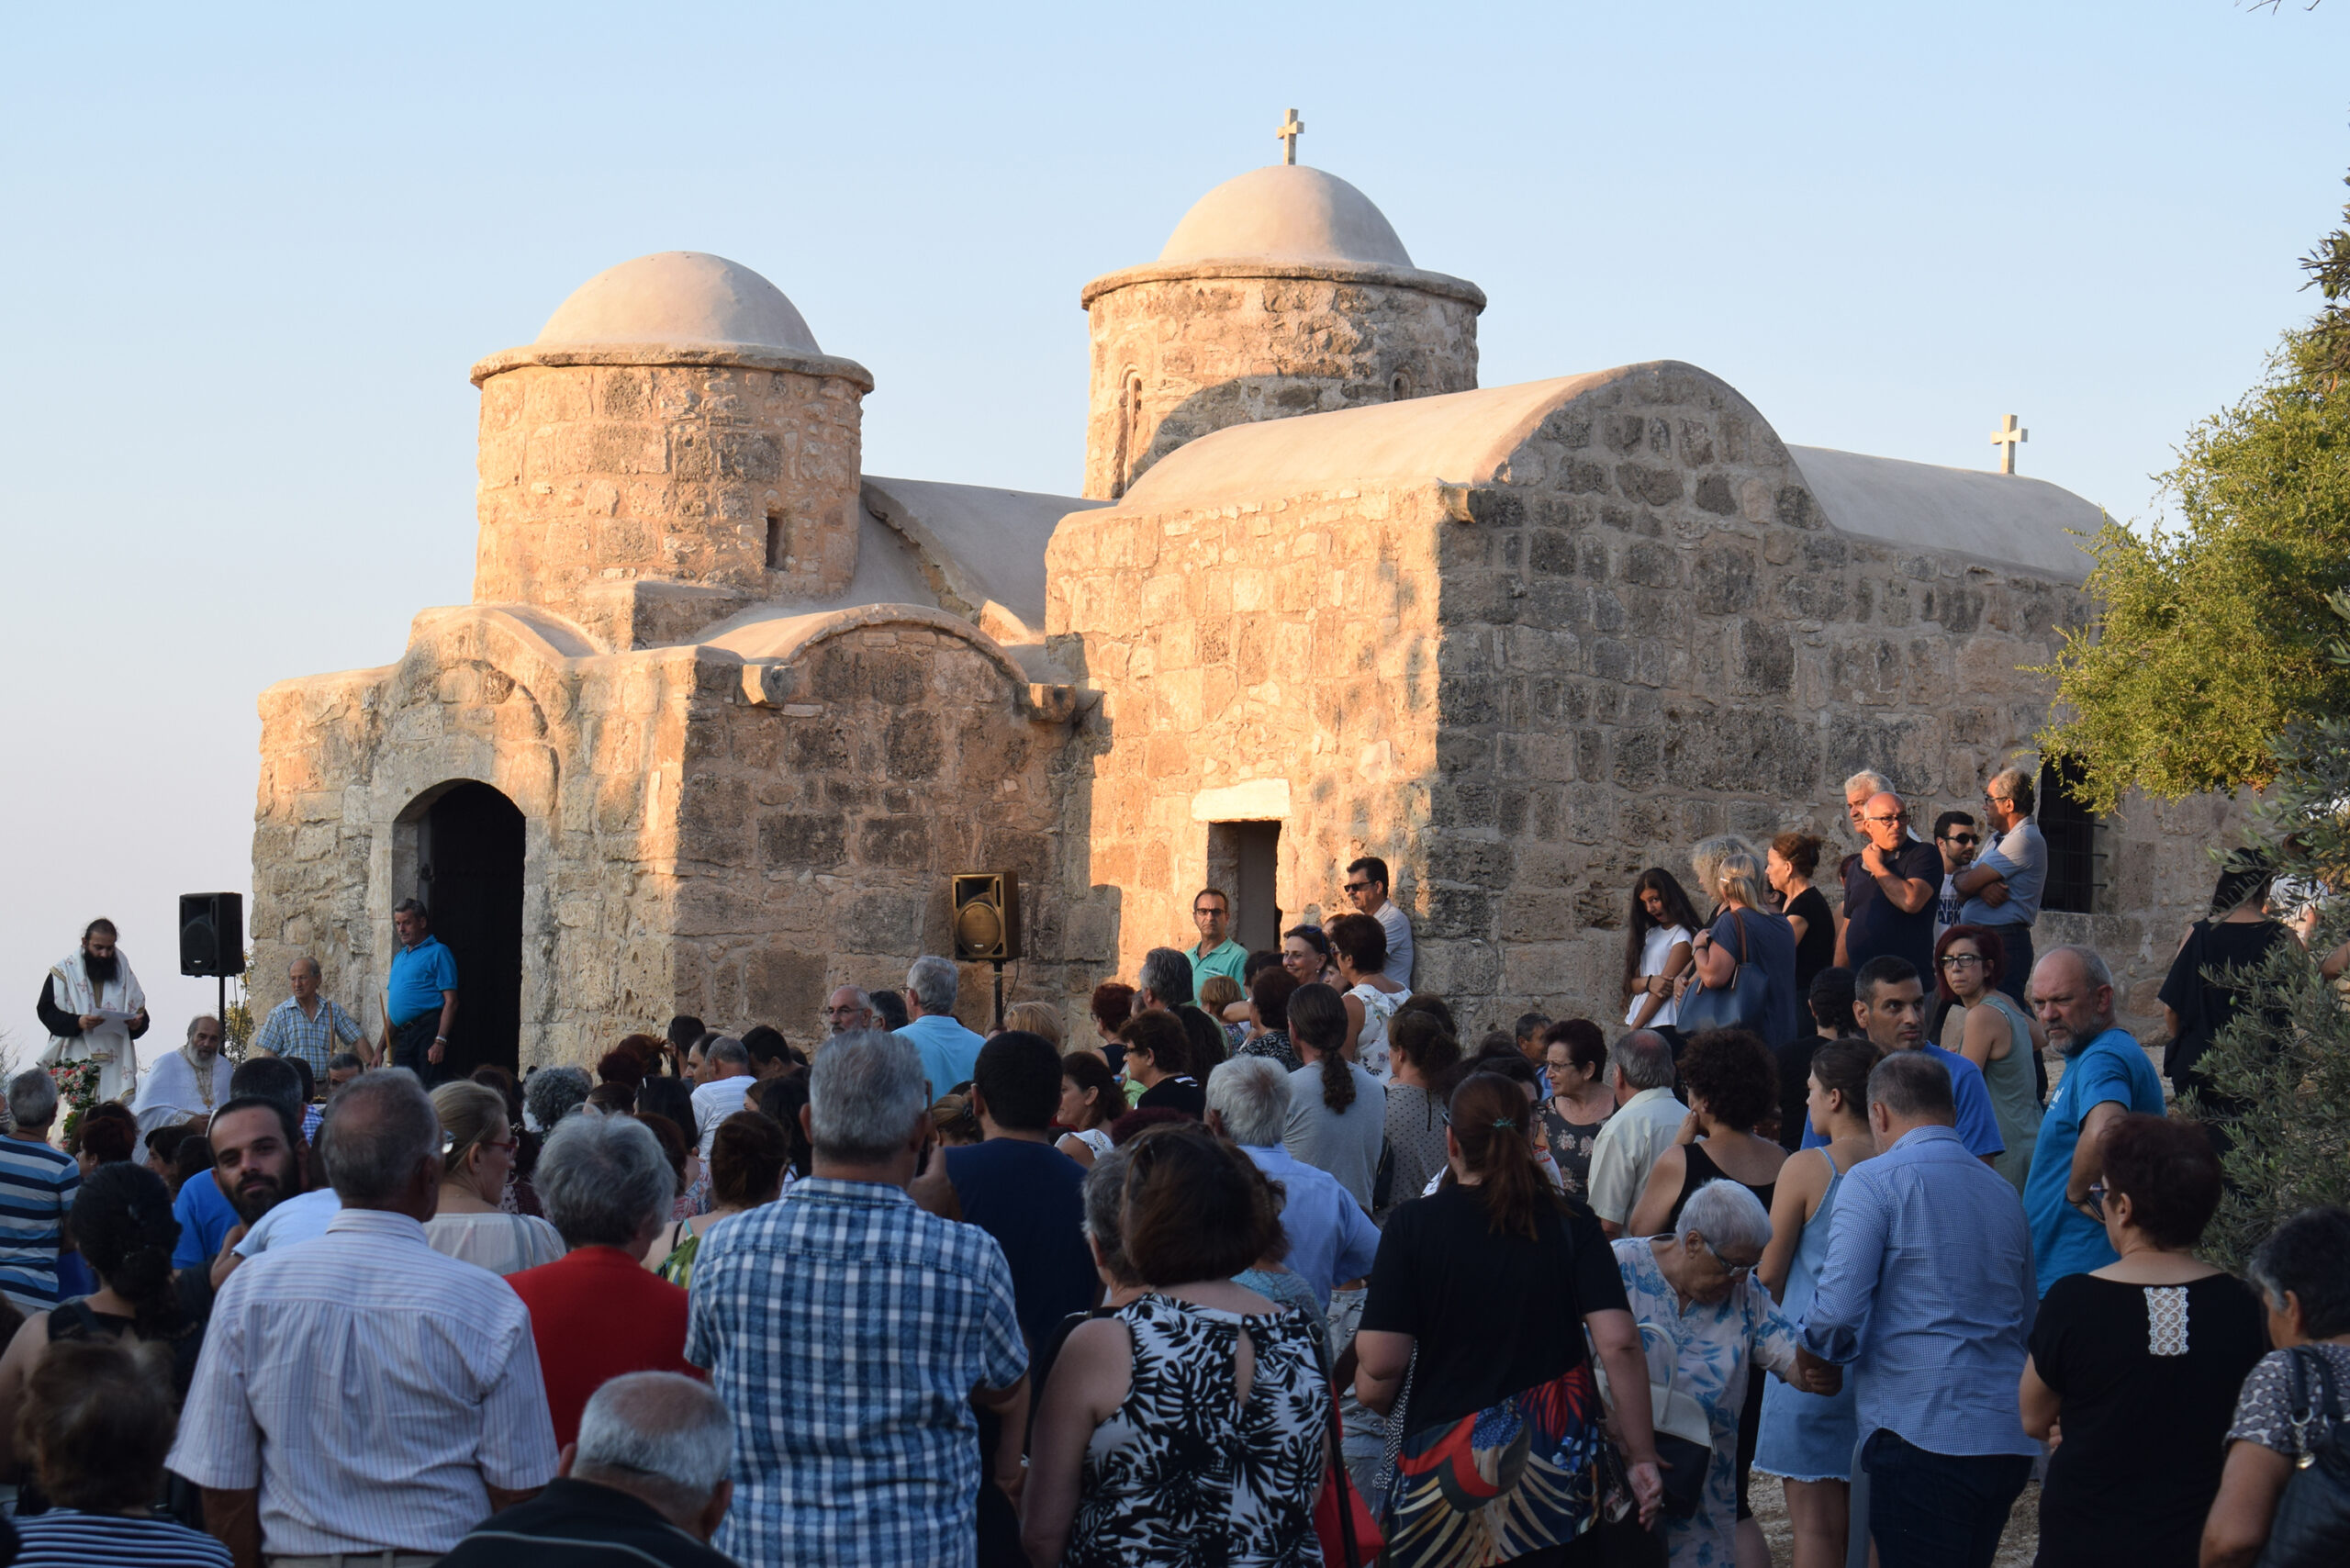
column 846, row 1329
column 285, row 1033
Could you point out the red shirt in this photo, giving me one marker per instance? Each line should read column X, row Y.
column 597, row 1312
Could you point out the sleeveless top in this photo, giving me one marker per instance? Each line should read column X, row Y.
column 1370, row 1046
column 1182, row 1472
column 1700, row 1169
column 2015, row 1097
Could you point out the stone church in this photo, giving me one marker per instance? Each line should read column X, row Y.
column 726, row 713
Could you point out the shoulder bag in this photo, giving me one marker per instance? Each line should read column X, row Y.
column 1684, row 1439
column 1744, row 1003
column 2312, row 1529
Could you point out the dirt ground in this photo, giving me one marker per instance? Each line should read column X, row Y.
column 2016, row 1547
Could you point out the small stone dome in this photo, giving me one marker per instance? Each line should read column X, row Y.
column 1286, row 212
column 677, row 297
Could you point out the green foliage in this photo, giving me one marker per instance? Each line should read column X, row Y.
column 2329, row 270
column 2210, row 639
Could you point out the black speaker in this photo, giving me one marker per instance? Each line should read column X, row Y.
column 987, row 916
column 212, row 933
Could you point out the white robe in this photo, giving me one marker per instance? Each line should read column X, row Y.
column 174, row 1092
column 109, row 1043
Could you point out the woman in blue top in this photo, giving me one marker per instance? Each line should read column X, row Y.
column 1806, row 1439
column 1746, row 934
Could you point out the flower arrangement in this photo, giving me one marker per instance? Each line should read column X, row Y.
column 77, row 1088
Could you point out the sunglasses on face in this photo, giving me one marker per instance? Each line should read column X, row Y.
column 1357, row 887
column 1963, row 839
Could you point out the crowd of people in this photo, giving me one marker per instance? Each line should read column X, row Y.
column 1266, row 1261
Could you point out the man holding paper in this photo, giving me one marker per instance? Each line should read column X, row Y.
column 93, row 1008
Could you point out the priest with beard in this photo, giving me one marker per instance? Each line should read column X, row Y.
column 93, row 1008
column 187, row 1084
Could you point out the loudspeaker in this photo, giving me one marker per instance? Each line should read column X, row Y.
column 987, row 916
column 212, row 933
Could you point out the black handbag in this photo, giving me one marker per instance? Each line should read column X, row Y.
column 2312, row 1529
column 1744, row 1003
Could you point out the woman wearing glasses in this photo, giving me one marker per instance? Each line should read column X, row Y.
column 477, row 1150
column 1988, row 1028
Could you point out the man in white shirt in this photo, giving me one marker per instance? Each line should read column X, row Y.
column 454, row 1426
column 728, row 1064
column 1367, row 888
column 1647, row 1119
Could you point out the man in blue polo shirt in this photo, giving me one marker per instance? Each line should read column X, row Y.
column 1215, row 953
column 949, row 1051
column 2106, row 1076
column 1889, row 1004
column 421, row 997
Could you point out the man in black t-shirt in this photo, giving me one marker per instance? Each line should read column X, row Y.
column 1889, row 892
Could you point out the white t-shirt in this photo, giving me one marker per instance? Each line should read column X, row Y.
column 301, row 1217
column 1655, row 948
column 714, row 1103
column 1370, row 1045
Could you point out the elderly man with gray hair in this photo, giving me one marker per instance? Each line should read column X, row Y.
column 308, row 1026
column 1926, row 1292
column 38, row 1182
column 646, row 1481
column 1331, row 1240
column 455, row 1427
column 728, row 1063
column 1646, row 1120
column 608, row 1188
column 949, row 1050
column 850, row 1333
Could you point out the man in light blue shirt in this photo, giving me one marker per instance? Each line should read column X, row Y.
column 949, row 1051
column 2106, row 1076
column 2004, row 885
column 1331, row 1239
column 1927, row 1294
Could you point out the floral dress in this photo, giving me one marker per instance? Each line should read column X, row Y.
column 1705, row 1351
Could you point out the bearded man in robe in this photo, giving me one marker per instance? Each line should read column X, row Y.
column 93, row 1008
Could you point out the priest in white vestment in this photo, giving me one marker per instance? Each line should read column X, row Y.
column 190, row 1082
column 93, row 1008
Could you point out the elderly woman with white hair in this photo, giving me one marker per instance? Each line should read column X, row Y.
column 1745, row 935
column 1703, row 1320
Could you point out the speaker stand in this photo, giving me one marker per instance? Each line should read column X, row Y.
column 999, row 992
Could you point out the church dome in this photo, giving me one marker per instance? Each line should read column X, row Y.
column 679, row 297
column 1286, row 212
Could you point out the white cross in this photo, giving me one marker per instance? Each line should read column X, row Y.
column 1291, row 129
column 2005, row 438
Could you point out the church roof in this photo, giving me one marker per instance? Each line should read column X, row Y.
column 1289, row 213
column 986, row 545
column 1467, row 438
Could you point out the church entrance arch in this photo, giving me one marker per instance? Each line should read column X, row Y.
column 469, row 879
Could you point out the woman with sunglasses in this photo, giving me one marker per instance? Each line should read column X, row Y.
column 1985, row 1025
column 476, row 1153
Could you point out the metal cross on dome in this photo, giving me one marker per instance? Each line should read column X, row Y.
column 2005, row 438
column 1291, row 129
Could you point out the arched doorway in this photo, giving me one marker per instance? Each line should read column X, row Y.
column 469, row 877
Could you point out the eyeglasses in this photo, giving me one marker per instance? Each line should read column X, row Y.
column 2095, row 1200
column 1892, row 819
column 1961, row 960
column 1736, row 1272
column 1208, row 908
column 1357, row 887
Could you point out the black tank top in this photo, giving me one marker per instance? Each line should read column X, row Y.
column 1699, row 1170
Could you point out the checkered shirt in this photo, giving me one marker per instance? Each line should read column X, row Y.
column 846, row 1329
column 286, row 1033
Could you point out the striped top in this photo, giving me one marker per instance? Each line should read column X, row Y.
column 64, row 1539
column 373, row 1389
column 37, row 1188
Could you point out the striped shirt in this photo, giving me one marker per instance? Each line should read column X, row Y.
column 373, row 1389
column 64, row 1539
column 286, row 1033
column 37, row 1188
column 846, row 1329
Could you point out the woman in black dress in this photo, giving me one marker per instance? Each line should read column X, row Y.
column 2140, row 1361
column 2237, row 936
column 1788, row 867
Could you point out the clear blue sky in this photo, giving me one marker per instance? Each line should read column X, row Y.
column 248, row 256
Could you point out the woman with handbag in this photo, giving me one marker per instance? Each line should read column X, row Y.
column 1703, row 1321
column 1744, row 972
column 1473, row 1344
column 2284, row 1497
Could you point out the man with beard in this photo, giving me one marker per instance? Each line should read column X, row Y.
column 93, row 1008
column 187, row 1084
column 257, row 1162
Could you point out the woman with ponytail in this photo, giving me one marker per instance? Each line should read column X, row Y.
column 122, row 1223
column 1479, row 1299
column 1338, row 1112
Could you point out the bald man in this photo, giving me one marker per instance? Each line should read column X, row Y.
column 1889, row 891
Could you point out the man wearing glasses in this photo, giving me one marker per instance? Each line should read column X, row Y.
column 1889, row 890
column 1217, row 953
column 1366, row 887
column 1955, row 837
column 2003, row 884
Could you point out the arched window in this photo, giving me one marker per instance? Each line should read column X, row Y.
column 1401, row 387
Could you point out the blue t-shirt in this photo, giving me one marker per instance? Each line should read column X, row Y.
column 420, row 974
column 1029, row 1197
column 205, row 1219
column 2064, row 1239
column 1875, row 928
column 949, row 1050
column 1978, row 1128
column 2020, row 857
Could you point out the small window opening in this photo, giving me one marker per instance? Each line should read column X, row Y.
column 1402, row 387
column 778, row 555
column 1123, row 460
column 2075, row 864
column 1244, row 859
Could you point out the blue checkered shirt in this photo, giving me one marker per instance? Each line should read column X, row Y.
column 846, row 1329
column 285, row 1033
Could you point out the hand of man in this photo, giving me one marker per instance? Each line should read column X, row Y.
column 90, row 1021
column 1872, row 860
column 1690, row 1130
column 438, row 1047
column 1648, row 1490
column 1996, row 894
column 1816, row 1376
column 1011, row 1475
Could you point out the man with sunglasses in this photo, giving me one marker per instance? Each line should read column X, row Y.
column 1366, row 887
column 1955, row 837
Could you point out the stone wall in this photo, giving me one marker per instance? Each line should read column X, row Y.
column 600, row 474
column 1175, row 357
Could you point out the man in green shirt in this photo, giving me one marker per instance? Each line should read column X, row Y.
column 1217, row 953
